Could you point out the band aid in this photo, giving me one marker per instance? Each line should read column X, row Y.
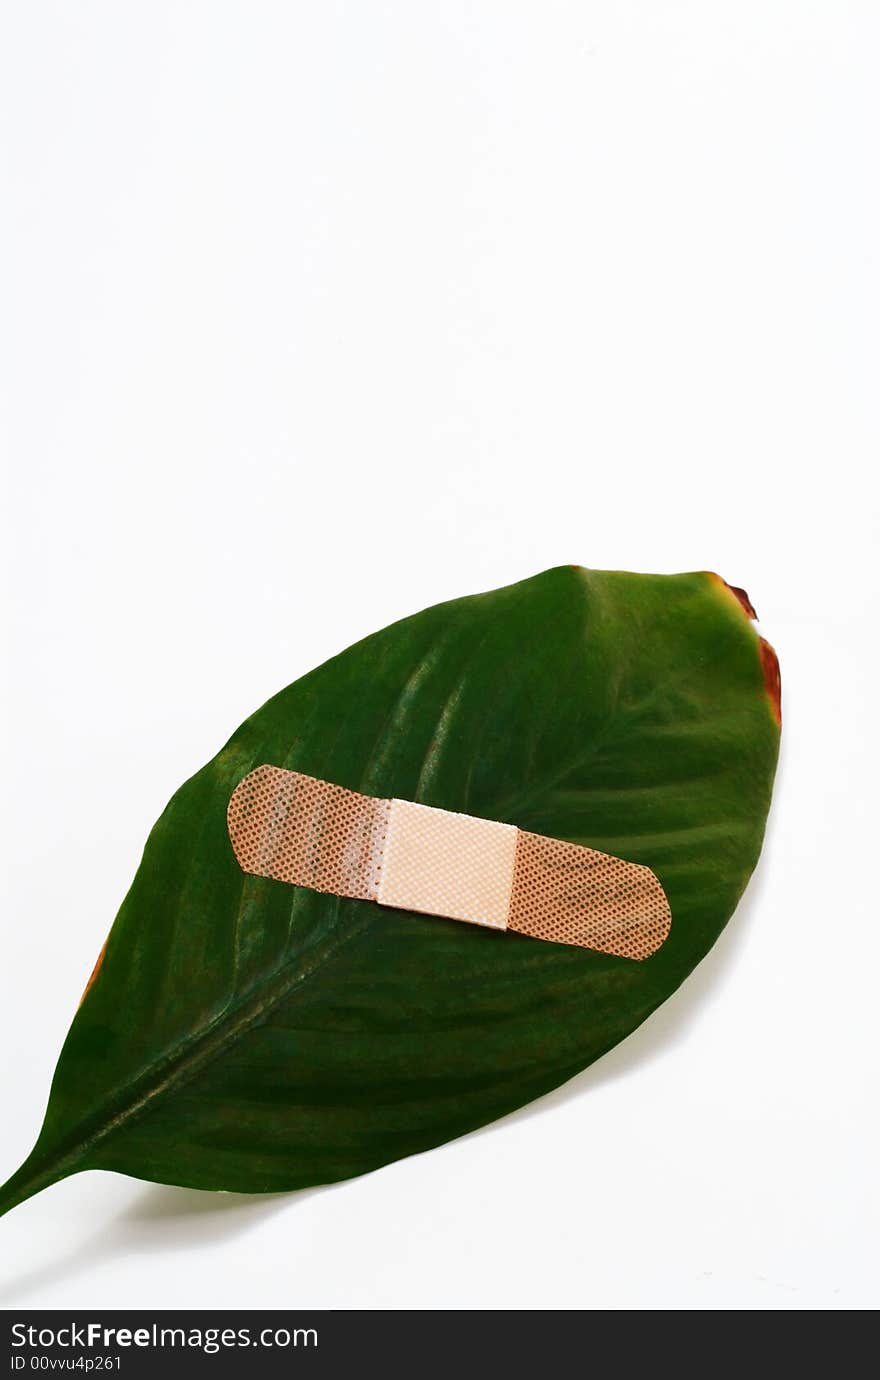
column 297, row 829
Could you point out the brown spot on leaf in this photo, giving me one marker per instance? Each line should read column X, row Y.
column 772, row 678
column 769, row 659
column 739, row 595
column 743, row 599
column 95, row 971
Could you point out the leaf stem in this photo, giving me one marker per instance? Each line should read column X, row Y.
column 30, row 1179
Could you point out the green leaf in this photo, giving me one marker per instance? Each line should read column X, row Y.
column 249, row 1035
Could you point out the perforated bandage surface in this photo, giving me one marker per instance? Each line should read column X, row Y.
column 297, row 829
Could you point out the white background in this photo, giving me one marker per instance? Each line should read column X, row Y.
column 317, row 313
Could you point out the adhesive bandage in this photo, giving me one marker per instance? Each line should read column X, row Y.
column 297, row 829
